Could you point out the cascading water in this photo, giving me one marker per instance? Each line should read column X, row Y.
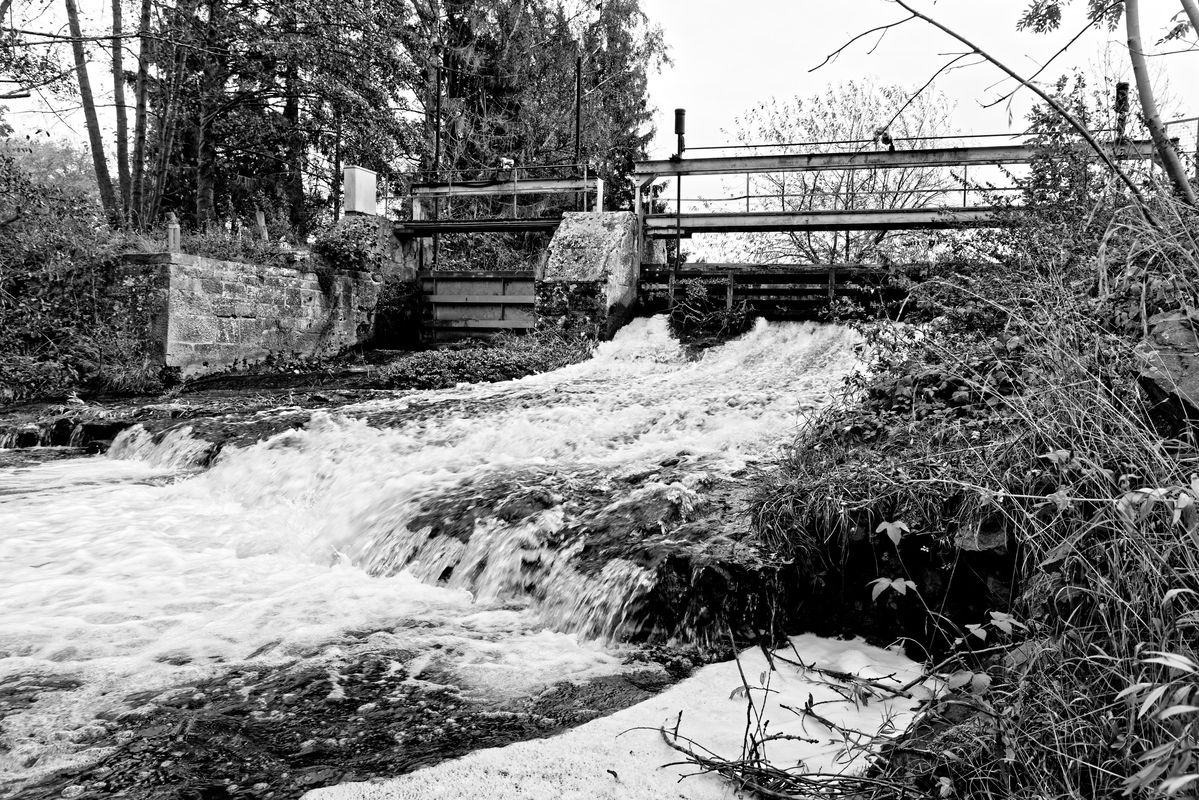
column 506, row 528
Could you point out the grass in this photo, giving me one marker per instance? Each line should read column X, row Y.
column 1015, row 416
column 505, row 357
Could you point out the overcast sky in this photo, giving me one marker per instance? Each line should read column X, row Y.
column 728, row 55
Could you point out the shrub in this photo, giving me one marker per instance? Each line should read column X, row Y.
column 491, row 251
column 352, row 243
column 214, row 241
column 700, row 318
column 505, row 357
column 1015, row 412
column 56, row 256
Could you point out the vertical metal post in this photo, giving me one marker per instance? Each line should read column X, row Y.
column 680, row 129
column 437, row 125
column 678, row 235
column 965, row 180
column 437, row 162
column 1121, row 110
column 579, row 198
column 337, row 166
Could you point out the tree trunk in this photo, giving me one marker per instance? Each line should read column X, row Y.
column 212, row 84
column 295, row 149
column 108, row 198
column 1192, row 9
column 118, row 95
column 141, row 92
column 1140, row 70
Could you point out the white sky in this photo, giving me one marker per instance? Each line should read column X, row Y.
column 728, row 56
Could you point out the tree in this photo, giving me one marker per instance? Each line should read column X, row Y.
column 99, row 161
column 1046, row 15
column 856, row 111
column 245, row 105
column 509, row 84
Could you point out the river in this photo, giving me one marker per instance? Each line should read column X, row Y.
column 445, row 523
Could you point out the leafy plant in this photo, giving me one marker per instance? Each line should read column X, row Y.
column 701, row 317
column 352, row 243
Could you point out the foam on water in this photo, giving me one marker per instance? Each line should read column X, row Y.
column 131, row 571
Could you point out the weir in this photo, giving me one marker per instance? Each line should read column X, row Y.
column 592, row 501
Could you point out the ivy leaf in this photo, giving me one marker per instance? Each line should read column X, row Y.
column 893, row 530
column 880, row 585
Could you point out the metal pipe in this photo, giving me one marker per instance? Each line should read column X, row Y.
column 578, row 120
column 578, row 108
column 437, row 162
column 680, row 130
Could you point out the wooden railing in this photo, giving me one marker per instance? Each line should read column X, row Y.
column 777, row 291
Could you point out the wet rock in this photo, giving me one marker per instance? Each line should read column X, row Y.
column 1169, row 369
column 275, row 733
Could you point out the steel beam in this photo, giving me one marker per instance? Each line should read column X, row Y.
column 422, row 228
column 646, row 171
column 664, row 225
column 498, row 187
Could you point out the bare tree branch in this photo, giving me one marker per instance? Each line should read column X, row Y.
column 1090, row 24
column 1081, row 129
column 884, row 28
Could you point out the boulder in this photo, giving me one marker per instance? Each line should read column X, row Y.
column 1169, row 369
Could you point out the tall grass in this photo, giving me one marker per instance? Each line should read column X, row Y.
column 1026, row 428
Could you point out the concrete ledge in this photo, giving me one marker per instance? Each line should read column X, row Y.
column 590, row 277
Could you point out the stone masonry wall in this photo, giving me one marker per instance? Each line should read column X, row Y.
column 205, row 315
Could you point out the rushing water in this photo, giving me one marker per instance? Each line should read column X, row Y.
column 137, row 571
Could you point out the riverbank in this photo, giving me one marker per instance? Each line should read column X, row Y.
column 238, row 409
column 1009, row 490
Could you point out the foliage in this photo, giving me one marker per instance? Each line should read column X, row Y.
column 351, row 243
column 504, row 357
column 55, row 258
column 701, row 318
column 245, row 105
column 509, row 93
column 492, row 251
column 213, row 241
column 854, row 111
column 1012, row 417
column 57, row 163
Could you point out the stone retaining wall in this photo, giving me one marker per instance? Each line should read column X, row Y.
column 201, row 315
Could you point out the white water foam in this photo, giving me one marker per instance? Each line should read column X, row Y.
column 624, row 757
column 130, row 572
